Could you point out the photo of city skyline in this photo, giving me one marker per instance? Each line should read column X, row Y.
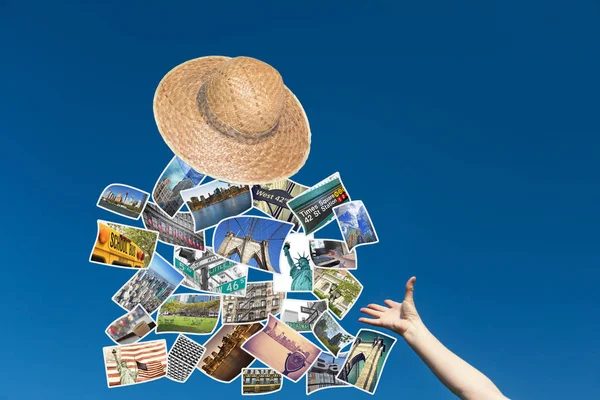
column 224, row 358
column 355, row 224
column 280, row 347
column 216, row 200
column 149, row 287
column 123, row 200
column 254, row 241
column 177, row 176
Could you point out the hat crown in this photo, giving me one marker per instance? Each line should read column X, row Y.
column 246, row 95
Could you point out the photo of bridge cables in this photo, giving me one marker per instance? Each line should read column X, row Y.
column 254, row 241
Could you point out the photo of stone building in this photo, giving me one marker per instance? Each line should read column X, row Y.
column 260, row 300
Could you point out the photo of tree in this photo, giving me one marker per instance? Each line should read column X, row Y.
column 339, row 287
column 331, row 334
column 189, row 313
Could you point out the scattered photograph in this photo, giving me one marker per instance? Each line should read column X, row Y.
column 313, row 208
column 272, row 198
column 339, row 287
column 254, row 241
column 176, row 177
column 355, row 224
column 216, row 200
column 123, row 200
column 295, row 270
column 176, row 231
column 331, row 254
column 189, row 313
column 301, row 315
column 366, row 360
column 131, row 327
column 331, row 334
column 123, row 246
column 322, row 374
column 260, row 381
column 208, row 272
column 283, row 349
column 260, row 300
column 131, row 364
column 149, row 287
column 183, row 358
column 224, row 358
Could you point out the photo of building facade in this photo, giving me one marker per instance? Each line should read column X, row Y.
column 260, row 380
column 260, row 300
column 178, row 231
column 176, row 177
column 339, row 287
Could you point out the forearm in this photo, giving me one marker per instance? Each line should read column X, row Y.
column 456, row 374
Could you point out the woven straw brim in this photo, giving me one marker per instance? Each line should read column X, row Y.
column 213, row 153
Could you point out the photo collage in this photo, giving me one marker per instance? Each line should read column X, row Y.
column 256, row 329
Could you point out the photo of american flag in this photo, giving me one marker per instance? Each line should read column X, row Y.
column 135, row 363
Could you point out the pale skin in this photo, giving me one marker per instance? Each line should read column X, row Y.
column 462, row 379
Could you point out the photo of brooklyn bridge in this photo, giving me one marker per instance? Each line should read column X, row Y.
column 224, row 359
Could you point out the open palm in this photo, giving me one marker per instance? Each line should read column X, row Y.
column 398, row 317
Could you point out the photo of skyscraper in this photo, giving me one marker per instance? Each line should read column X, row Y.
column 177, row 176
column 355, row 224
column 149, row 287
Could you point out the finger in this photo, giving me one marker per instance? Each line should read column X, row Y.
column 371, row 312
column 393, row 304
column 410, row 289
column 377, row 307
column 374, row 322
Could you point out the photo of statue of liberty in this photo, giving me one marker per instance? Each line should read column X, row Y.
column 299, row 271
column 127, row 375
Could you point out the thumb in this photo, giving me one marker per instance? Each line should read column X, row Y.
column 410, row 289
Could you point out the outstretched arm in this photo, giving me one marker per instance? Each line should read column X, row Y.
column 456, row 374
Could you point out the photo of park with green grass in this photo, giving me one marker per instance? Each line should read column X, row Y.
column 189, row 313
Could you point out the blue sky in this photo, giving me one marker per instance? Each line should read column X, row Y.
column 177, row 170
column 266, row 229
column 166, row 270
column 469, row 129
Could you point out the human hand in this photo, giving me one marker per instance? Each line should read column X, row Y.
column 401, row 318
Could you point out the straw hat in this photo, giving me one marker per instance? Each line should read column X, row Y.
column 232, row 119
